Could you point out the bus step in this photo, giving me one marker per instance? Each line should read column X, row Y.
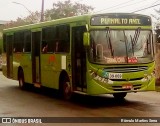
column 37, row 85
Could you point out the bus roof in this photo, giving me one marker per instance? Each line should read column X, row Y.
column 64, row 21
column 48, row 23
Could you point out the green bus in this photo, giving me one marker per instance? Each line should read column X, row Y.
column 94, row 54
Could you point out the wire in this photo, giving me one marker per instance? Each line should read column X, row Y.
column 146, row 5
column 114, row 6
column 131, row 4
column 146, row 8
column 155, row 2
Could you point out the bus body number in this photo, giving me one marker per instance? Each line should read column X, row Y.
column 115, row 75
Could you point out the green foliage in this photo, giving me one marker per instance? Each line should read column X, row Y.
column 67, row 9
column 34, row 17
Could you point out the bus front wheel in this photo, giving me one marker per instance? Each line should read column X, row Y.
column 120, row 95
column 22, row 84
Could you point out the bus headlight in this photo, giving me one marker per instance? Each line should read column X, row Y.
column 149, row 77
column 146, row 77
column 110, row 81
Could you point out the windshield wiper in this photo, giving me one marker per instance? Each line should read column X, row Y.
column 126, row 43
column 136, row 36
column 109, row 40
column 135, row 39
column 132, row 44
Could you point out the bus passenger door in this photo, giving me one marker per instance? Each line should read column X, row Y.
column 9, row 51
column 78, row 59
column 36, row 39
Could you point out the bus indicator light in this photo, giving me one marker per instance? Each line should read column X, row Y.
column 132, row 60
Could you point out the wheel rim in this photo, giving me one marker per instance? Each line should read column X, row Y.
column 66, row 90
column 20, row 82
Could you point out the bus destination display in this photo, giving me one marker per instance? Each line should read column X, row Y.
column 119, row 20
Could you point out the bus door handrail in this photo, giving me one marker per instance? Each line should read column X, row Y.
column 101, row 46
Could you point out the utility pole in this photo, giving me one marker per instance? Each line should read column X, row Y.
column 42, row 11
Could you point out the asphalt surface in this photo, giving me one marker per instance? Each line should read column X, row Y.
column 46, row 103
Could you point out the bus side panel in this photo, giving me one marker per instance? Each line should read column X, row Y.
column 27, row 67
column 151, row 86
column 50, row 70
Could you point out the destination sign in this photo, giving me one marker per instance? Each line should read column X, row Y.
column 121, row 19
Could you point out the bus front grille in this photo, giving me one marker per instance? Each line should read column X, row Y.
column 126, row 69
column 131, row 79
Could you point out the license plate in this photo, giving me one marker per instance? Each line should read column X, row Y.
column 127, row 86
column 115, row 75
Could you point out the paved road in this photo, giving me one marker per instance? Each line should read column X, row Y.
column 36, row 103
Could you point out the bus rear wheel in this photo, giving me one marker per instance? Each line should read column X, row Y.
column 22, row 84
column 120, row 95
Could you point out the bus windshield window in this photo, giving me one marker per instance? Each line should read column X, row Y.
column 121, row 46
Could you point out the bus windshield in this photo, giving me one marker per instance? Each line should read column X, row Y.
column 121, row 46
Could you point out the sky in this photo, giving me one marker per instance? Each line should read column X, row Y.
column 11, row 11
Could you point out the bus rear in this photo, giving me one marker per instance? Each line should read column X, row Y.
column 120, row 54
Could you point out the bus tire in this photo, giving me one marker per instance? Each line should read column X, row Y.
column 22, row 84
column 120, row 95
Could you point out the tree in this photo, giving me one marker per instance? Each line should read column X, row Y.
column 34, row 17
column 67, row 9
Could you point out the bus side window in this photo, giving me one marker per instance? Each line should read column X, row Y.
column 57, row 46
column 18, row 43
column 44, row 47
column 14, row 49
column 63, row 36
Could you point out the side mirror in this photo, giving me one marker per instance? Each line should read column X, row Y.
column 86, row 39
